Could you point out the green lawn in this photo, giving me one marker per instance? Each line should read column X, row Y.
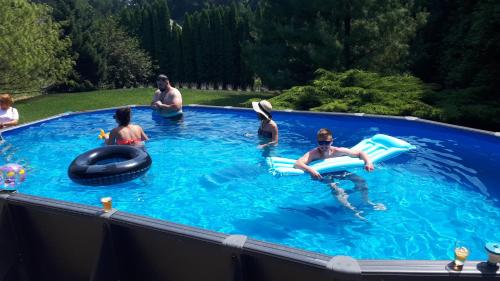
column 48, row 105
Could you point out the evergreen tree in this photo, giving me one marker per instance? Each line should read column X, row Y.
column 227, row 46
column 188, row 50
column 217, row 45
column 293, row 38
column 146, row 34
column 204, row 45
column 198, row 47
column 178, row 54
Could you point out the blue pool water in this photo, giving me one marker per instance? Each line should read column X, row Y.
column 208, row 173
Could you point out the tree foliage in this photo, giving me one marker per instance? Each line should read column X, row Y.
column 150, row 22
column 33, row 54
column 211, row 42
column 360, row 91
column 460, row 46
column 125, row 64
column 90, row 24
column 293, row 38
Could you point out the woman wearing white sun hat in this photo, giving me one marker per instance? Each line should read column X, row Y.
column 268, row 130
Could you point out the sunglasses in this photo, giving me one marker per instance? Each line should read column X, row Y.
column 325, row 142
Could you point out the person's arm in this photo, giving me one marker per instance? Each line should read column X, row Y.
column 274, row 136
column 9, row 123
column 15, row 118
column 302, row 162
column 156, row 99
column 176, row 104
column 144, row 137
column 360, row 154
column 112, row 137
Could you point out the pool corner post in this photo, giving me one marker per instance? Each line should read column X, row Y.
column 345, row 267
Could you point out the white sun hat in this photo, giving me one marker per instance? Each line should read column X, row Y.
column 263, row 107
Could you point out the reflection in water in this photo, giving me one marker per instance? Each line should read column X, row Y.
column 445, row 163
column 162, row 121
column 9, row 154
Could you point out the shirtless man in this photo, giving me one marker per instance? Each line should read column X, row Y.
column 326, row 150
column 167, row 99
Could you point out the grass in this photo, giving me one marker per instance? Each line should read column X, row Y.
column 48, row 105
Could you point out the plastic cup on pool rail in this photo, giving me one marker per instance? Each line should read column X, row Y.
column 461, row 253
column 106, row 204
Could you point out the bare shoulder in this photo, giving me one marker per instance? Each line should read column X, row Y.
column 273, row 124
column 313, row 154
column 176, row 91
column 137, row 127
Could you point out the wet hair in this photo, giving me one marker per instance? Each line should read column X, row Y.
column 122, row 115
column 324, row 133
column 6, row 99
column 162, row 77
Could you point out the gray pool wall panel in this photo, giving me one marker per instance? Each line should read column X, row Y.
column 45, row 239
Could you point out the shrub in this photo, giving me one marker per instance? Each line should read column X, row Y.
column 404, row 95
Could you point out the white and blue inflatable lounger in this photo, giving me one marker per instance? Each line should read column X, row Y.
column 379, row 148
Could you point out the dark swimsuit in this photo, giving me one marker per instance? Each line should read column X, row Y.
column 263, row 133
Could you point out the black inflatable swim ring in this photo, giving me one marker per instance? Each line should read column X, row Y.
column 99, row 166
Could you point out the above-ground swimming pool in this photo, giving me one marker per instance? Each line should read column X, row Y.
column 208, row 173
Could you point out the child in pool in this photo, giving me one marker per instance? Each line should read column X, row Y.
column 326, row 150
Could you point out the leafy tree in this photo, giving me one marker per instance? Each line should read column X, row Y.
column 80, row 20
column 126, row 65
column 33, row 55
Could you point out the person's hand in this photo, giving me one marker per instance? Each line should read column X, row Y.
column 358, row 214
column 315, row 174
column 158, row 104
column 377, row 206
column 261, row 146
column 369, row 167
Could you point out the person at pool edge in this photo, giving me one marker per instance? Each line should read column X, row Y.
column 8, row 114
column 126, row 133
column 268, row 129
column 326, row 150
column 167, row 99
